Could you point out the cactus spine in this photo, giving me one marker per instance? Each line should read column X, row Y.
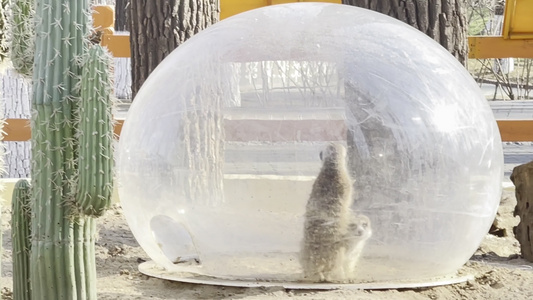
column 95, row 159
column 22, row 47
column 20, row 234
column 62, row 243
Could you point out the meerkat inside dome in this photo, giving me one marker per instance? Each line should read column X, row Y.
column 357, row 233
column 326, row 218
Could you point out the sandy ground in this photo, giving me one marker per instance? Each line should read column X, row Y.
column 498, row 270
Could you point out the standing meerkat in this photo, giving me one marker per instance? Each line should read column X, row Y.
column 326, row 218
column 357, row 233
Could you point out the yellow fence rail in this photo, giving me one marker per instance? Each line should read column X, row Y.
column 511, row 130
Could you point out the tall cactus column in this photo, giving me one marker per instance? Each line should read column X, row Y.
column 62, row 246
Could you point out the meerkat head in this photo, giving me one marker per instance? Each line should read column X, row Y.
column 359, row 226
column 333, row 152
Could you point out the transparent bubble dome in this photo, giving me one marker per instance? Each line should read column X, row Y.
column 220, row 149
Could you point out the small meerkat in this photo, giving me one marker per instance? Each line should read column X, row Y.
column 326, row 218
column 357, row 234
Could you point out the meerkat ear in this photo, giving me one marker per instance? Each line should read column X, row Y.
column 321, row 155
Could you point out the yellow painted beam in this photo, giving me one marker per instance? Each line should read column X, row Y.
column 19, row 130
column 229, row 8
column 16, row 130
column 508, row 17
column 516, row 130
column 510, row 130
column 498, row 47
column 117, row 44
column 104, row 18
column 518, row 19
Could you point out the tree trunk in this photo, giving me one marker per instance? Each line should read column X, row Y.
column 15, row 93
column 158, row 27
column 442, row 20
column 522, row 178
column 122, row 15
column 122, row 64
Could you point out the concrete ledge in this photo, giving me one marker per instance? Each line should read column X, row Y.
column 273, row 188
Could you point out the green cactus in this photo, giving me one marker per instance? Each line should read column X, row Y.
column 4, row 4
column 62, row 243
column 20, row 235
column 22, row 32
column 95, row 130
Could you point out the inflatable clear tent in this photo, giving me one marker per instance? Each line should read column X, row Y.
column 222, row 145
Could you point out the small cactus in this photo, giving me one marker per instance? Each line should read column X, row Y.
column 22, row 36
column 20, row 235
column 95, row 135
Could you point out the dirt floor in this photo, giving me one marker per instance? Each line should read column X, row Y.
column 499, row 272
